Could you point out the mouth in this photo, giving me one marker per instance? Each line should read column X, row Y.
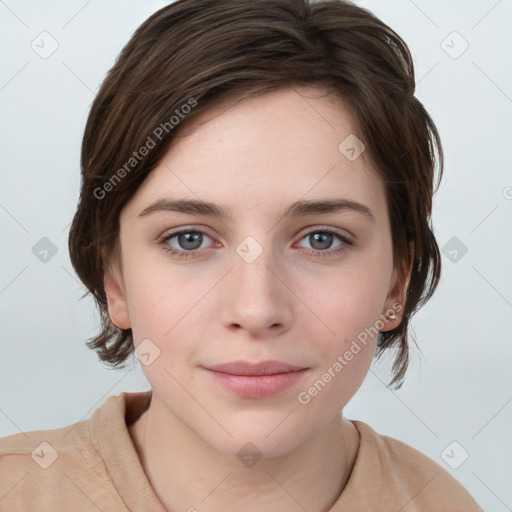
column 256, row 380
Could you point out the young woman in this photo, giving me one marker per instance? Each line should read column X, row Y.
column 254, row 223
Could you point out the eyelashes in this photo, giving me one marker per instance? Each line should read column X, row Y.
column 183, row 237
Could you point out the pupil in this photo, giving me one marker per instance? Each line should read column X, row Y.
column 189, row 240
column 324, row 239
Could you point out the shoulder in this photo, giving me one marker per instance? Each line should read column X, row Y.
column 47, row 469
column 413, row 480
column 43, row 448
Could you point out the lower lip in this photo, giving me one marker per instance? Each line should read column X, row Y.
column 257, row 386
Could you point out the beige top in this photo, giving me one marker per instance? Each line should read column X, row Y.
column 93, row 465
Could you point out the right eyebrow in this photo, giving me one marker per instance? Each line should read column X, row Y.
column 190, row 206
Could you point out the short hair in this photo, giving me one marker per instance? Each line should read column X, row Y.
column 195, row 52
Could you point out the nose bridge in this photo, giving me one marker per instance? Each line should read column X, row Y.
column 257, row 297
column 255, row 266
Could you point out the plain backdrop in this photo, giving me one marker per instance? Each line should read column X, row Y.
column 458, row 389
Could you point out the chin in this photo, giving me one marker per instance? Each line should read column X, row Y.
column 263, row 438
column 251, row 447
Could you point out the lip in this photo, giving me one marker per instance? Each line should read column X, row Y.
column 256, row 380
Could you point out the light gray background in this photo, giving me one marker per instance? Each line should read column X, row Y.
column 458, row 389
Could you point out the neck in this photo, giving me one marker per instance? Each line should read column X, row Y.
column 188, row 474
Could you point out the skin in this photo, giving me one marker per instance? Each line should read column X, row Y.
column 292, row 304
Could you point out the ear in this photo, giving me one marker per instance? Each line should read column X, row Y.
column 116, row 297
column 394, row 304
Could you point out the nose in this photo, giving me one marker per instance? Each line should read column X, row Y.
column 257, row 296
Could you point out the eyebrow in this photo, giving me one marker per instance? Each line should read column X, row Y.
column 300, row 208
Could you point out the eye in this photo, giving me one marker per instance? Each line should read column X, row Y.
column 321, row 240
column 186, row 244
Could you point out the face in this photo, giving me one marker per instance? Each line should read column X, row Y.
column 282, row 275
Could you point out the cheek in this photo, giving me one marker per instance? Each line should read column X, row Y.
column 349, row 305
column 173, row 308
column 346, row 347
column 158, row 310
column 348, row 301
column 158, row 315
column 156, row 293
column 332, row 386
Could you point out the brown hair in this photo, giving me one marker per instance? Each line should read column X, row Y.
column 195, row 52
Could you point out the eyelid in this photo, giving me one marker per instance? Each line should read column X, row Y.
column 302, row 233
column 318, row 227
column 169, row 233
column 180, row 254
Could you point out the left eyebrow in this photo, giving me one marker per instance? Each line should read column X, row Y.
column 303, row 207
column 298, row 209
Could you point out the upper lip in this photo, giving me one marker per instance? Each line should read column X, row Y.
column 260, row 368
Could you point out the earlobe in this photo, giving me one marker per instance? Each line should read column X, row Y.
column 116, row 298
column 395, row 301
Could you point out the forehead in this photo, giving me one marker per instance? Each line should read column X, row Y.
column 264, row 152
